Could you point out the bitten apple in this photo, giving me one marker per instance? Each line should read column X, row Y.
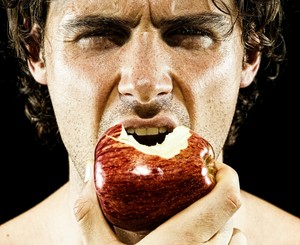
column 140, row 186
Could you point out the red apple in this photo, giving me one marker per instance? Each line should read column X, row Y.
column 140, row 186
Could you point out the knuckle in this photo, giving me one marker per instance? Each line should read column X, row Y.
column 233, row 192
column 233, row 198
column 81, row 209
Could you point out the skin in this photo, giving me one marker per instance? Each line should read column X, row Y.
column 123, row 82
column 144, row 74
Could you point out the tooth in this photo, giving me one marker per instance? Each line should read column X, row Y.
column 152, row 131
column 141, row 131
column 162, row 130
column 130, row 131
column 146, row 131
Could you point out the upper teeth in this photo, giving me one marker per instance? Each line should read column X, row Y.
column 146, row 131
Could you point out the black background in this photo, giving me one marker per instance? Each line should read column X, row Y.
column 266, row 154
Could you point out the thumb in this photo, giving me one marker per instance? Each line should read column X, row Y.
column 238, row 238
column 89, row 217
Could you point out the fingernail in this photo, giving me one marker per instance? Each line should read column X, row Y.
column 87, row 173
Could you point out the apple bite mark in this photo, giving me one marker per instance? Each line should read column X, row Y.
column 140, row 186
column 172, row 145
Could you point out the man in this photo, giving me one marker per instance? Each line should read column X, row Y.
column 145, row 64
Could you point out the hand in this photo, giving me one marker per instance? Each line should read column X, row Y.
column 92, row 224
column 207, row 221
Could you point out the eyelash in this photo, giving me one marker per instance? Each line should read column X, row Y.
column 187, row 37
column 188, row 30
column 107, row 37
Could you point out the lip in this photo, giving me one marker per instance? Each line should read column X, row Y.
column 158, row 122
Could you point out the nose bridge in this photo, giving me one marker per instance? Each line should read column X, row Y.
column 144, row 73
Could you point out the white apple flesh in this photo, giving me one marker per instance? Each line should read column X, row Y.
column 140, row 186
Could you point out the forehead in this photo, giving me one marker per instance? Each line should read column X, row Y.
column 135, row 9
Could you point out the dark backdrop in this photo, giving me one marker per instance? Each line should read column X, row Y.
column 266, row 154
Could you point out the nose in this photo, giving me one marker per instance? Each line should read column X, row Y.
column 145, row 72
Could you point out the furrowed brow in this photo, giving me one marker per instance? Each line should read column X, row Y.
column 93, row 22
column 209, row 20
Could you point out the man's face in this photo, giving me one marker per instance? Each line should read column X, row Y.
column 148, row 64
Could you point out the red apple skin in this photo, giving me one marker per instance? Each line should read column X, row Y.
column 137, row 202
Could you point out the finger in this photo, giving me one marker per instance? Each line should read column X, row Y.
column 92, row 224
column 224, row 235
column 213, row 211
column 204, row 218
column 229, row 235
column 238, row 238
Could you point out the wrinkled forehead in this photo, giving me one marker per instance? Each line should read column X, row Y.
column 135, row 9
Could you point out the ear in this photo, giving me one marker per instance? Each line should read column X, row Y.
column 38, row 70
column 250, row 68
column 35, row 60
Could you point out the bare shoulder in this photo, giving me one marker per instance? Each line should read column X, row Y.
column 21, row 229
column 39, row 225
column 264, row 223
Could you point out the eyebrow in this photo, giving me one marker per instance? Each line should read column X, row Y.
column 209, row 19
column 94, row 21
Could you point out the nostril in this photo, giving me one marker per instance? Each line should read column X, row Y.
column 147, row 110
column 162, row 93
column 127, row 94
column 145, row 87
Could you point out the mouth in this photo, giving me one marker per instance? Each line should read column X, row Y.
column 149, row 135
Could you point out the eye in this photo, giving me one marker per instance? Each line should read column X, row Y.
column 102, row 39
column 188, row 37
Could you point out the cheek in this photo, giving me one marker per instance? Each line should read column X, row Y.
column 214, row 94
column 217, row 115
column 78, row 93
